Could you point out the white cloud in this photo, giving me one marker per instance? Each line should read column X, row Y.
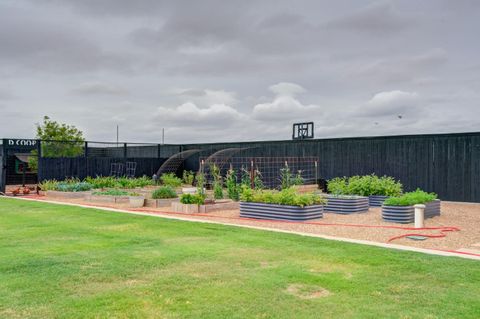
column 189, row 114
column 285, row 106
column 391, row 103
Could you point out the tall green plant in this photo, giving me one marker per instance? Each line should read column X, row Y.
column 286, row 177
column 232, row 185
column 188, row 177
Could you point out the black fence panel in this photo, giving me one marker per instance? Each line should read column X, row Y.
column 447, row 164
column 81, row 167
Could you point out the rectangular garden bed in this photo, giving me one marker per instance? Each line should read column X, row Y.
column 202, row 209
column 406, row 214
column 376, row 200
column 67, row 195
column 346, row 204
column 124, row 199
column 156, row 203
column 280, row 212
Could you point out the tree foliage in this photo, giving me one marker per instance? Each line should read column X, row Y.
column 58, row 140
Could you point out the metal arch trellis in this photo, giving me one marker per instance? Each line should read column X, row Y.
column 172, row 164
column 219, row 159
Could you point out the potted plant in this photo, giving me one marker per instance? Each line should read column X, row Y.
column 286, row 204
column 136, row 200
column 401, row 209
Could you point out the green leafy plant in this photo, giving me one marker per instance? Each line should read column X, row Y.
column 73, row 187
column 257, row 180
column 286, row 178
column 201, row 184
column 287, row 196
column 135, row 194
column 188, row 177
column 48, row 185
column 196, row 199
column 217, row 182
column 411, row 198
column 298, row 179
column 232, row 185
column 111, row 192
column 164, row 192
column 245, row 179
column 170, row 179
column 365, row 186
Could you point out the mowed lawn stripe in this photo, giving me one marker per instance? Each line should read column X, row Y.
column 71, row 262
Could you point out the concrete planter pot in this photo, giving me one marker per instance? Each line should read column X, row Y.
column 406, row 214
column 136, row 201
column 346, row 204
column 280, row 212
column 376, row 200
column 108, row 199
column 67, row 195
column 164, row 202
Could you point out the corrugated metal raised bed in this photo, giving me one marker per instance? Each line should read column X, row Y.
column 376, row 200
column 406, row 214
column 280, row 212
column 346, row 204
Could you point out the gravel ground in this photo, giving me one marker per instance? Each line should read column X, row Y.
column 465, row 216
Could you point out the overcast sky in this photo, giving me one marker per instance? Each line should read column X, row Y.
column 239, row 70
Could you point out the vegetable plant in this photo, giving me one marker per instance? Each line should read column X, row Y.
column 198, row 199
column 411, row 198
column 287, row 196
column 365, row 186
column 112, row 192
column 170, row 179
column 164, row 192
column 232, row 185
column 188, row 177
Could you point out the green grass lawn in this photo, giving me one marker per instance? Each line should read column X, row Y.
column 68, row 262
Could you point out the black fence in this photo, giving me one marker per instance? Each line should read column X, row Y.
column 447, row 164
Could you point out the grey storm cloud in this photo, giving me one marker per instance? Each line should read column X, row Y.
column 216, row 70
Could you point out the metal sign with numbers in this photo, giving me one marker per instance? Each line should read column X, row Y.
column 302, row 131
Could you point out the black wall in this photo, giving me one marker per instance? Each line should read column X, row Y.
column 81, row 167
column 447, row 164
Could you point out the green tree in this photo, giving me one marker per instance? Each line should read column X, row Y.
column 58, row 140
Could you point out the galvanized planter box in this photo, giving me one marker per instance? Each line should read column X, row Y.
column 406, row 214
column 376, row 200
column 346, row 204
column 280, row 212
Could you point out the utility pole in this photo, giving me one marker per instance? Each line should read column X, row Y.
column 163, row 136
column 117, row 134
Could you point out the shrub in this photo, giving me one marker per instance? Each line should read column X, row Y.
column 164, row 192
column 170, row 179
column 112, row 192
column 365, row 186
column 286, row 196
column 411, row 198
column 198, row 199
column 188, row 177
column 48, row 185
